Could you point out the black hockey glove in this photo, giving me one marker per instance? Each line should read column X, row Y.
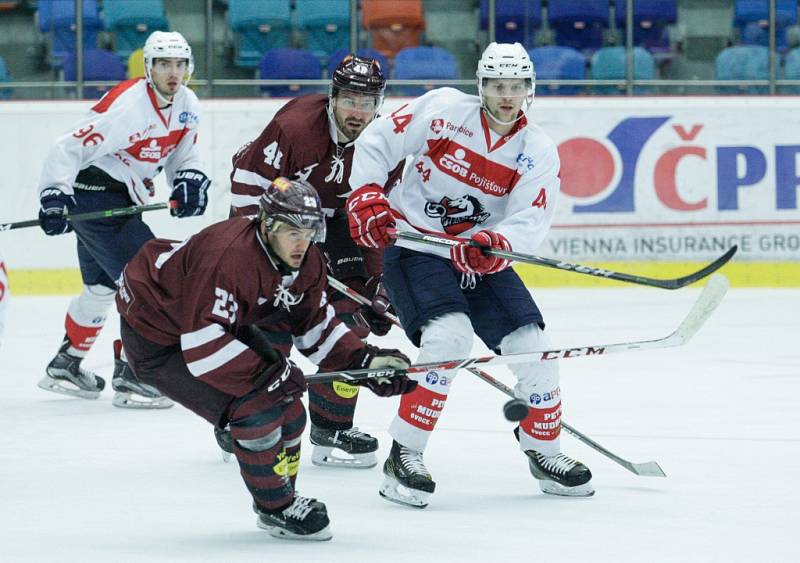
column 373, row 317
column 188, row 197
column 386, row 358
column 54, row 206
column 281, row 380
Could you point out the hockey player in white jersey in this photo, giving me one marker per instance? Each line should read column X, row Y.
column 108, row 160
column 485, row 175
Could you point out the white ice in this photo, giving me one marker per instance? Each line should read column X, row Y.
column 85, row 481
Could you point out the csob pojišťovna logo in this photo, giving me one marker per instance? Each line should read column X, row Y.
column 600, row 175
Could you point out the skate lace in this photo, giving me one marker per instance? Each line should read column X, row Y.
column 299, row 509
column 412, row 461
column 72, row 364
column 353, row 433
column 560, row 463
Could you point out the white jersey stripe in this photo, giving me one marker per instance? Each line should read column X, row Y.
column 307, row 340
column 251, row 178
column 244, row 200
column 217, row 359
column 199, row 337
column 328, row 344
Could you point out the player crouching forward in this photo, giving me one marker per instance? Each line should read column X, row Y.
column 483, row 172
column 189, row 312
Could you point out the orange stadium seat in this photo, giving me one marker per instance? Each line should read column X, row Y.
column 393, row 25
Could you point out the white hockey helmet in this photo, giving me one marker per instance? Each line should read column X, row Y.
column 506, row 60
column 167, row 45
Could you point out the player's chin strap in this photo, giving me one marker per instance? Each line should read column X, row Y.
column 159, row 96
column 520, row 115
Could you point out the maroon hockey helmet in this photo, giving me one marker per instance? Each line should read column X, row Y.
column 294, row 202
column 362, row 75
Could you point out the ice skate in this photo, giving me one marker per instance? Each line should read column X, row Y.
column 407, row 479
column 130, row 393
column 304, row 519
column 64, row 375
column 359, row 448
column 224, row 441
column 560, row 475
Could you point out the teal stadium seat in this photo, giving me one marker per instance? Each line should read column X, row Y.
column 132, row 22
column 791, row 71
column 608, row 63
column 743, row 62
column 5, row 77
column 259, row 25
column 326, row 24
column 418, row 63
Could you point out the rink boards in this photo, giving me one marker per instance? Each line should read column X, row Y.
column 652, row 186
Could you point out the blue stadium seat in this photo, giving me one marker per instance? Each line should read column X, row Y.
column 650, row 21
column 608, row 63
column 417, row 63
column 285, row 63
column 553, row 63
column 752, row 19
column 132, row 22
column 259, row 25
column 326, row 23
column 5, row 93
column 515, row 20
column 57, row 20
column 743, row 62
column 579, row 23
column 337, row 57
column 97, row 65
column 791, row 71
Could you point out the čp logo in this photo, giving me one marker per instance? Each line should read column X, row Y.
column 535, row 399
column 432, row 377
column 603, row 172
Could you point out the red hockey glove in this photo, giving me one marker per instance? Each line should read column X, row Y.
column 369, row 216
column 471, row 259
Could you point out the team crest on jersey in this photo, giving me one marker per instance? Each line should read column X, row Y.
column 437, row 125
column 457, row 215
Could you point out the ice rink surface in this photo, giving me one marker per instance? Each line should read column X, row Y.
column 85, row 481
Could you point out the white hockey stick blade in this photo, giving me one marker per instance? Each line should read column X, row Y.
column 705, row 305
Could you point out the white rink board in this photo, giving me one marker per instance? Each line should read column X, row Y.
column 668, row 177
column 84, row 481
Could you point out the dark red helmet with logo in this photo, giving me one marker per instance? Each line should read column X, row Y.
column 294, row 202
column 362, row 75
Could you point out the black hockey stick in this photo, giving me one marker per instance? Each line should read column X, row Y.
column 118, row 212
column 674, row 283
column 708, row 300
column 645, row 469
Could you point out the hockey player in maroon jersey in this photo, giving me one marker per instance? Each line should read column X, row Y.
column 311, row 138
column 483, row 174
column 189, row 314
column 108, row 160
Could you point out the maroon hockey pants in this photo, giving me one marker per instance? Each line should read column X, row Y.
column 266, row 436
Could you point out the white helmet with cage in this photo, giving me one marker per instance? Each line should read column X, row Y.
column 506, row 60
column 167, row 45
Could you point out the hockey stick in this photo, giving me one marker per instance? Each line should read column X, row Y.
column 674, row 283
column 708, row 300
column 645, row 469
column 118, row 212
